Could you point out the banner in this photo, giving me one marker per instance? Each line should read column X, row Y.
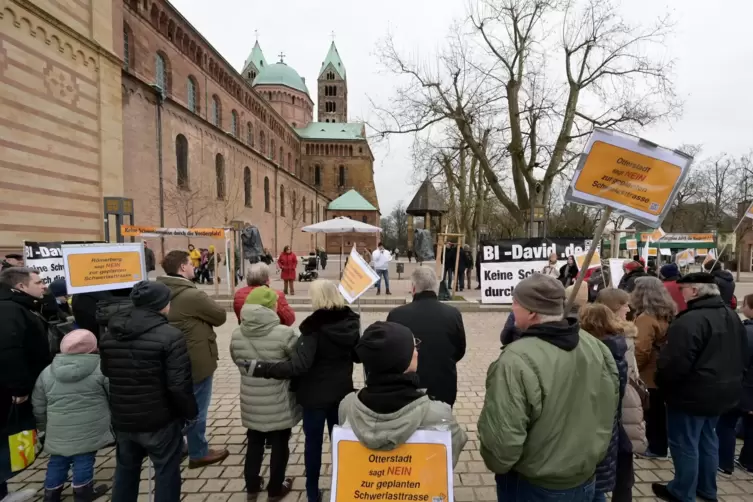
column 103, row 267
column 134, row 231
column 418, row 470
column 505, row 263
column 631, row 244
column 46, row 258
column 357, row 278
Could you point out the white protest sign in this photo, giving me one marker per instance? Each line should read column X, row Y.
column 46, row 258
column 103, row 267
column 357, row 278
column 616, row 271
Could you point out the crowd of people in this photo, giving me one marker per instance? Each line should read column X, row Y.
column 583, row 384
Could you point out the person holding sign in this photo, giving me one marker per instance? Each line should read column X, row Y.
column 385, row 413
column 543, row 448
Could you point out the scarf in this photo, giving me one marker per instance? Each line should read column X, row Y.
column 389, row 393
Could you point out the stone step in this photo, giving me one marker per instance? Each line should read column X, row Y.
column 463, row 306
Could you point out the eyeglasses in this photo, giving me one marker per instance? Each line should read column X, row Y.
column 416, row 342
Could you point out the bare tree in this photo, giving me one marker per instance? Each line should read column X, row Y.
column 189, row 205
column 296, row 211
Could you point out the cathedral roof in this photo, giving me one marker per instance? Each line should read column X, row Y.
column 333, row 58
column 280, row 74
column 332, row 130
column 351, row 201
column 256, row 57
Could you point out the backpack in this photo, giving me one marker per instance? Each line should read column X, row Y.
column 108, row 307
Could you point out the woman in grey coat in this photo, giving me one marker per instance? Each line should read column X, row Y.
column 268, row 408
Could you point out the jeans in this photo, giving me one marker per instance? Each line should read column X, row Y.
column 58, row 466
column 625, row 479
column 313, row 428
column 449, row 274
column 386, row 275
column 656, row 423
column 196, row 435
column 600, row 497
column 695, row 454
column 513, row 488
column 277, row 463
column 726, row 432
column 164, row 448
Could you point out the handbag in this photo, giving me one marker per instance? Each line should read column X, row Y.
column 642, row 390
column 22, row 436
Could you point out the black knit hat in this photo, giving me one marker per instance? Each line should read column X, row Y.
column 696, row 278
column 150, row 295
column 386, row 348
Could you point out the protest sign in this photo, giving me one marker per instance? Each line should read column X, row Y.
column 616, row 271
column 505, row 263
column 631, row 244
column 102, row 267
column 628, row 174
column 749, row 212
column 46, row 258
column 135, row 231
column 653, row 236
column 418, row 470
column 595, row 261
column 357, row 278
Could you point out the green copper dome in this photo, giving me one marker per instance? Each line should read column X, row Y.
column 280, row 74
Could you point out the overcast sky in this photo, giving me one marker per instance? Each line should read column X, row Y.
column 711, row 46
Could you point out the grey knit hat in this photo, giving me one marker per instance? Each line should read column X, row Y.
column 541, row 294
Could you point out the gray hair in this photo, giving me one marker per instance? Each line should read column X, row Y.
column 706, row 289
column 258, row 274
column 424, row 279
column 16, row 275
column 650, row 296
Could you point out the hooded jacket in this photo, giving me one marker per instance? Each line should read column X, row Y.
column 195, row 315
column 147, row 364
column 726, row 283
column 627, row 283
column 387, row 431
column 70, row 404
column 323, row 359
column 549, row 441
column 266, row 405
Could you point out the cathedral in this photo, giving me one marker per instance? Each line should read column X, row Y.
column 133, row 103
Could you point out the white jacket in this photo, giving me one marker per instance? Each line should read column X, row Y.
column 381, row 259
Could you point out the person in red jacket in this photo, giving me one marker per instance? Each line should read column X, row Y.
column 258, row 276
column 287, row 263
column 669, row 274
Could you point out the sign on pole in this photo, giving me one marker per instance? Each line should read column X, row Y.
column 357, row 278
column 630, row 175
column 631, row 244
column 46, row 258
column 135, row 231
column 102, row 267
column 419, row 469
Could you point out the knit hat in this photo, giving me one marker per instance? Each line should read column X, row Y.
column 541, row 294
column 386, row 348
column 262, row 295
column 150, row 295
column 633, row 265
column 79, row 341
column 58, row 288
column 669, row 270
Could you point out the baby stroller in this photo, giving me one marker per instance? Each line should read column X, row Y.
column 309, row 272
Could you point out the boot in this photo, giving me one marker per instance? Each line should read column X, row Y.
column 387, row 292
column 89, row 492
column 213, row 457
column 53, row 495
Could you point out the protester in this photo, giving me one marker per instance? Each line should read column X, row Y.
column 195, row 315
column 258, row 276
column 442, row 334
column 151, row 263
column 12, row 260
column 723, row 279
column 510, row 332
column 478, row 267
column 268, row 408
column 267, row 257
column 195, row 255
column 448, row 262
column 555, row 454
column 602, row 323
column 381, row 259
column 287, row 263
column 568, row 272
column 597, row 282
column 654, row 310
column 24, row 353
column 551, row 269
column 633, row 270
column 391, row 407
column 725, row 429
column 323, row 258
column 323, row 361
column 466, row 266
column 409, row 253
column 93, row 311
column 618, row 302
column 700, row 371
column 151, row 394
column 71, row 407
column 669, row 274
column 55, row 307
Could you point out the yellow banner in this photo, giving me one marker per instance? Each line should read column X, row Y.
column 97, row 269
column 595, row 261
column 631, row 244
column 135, row 231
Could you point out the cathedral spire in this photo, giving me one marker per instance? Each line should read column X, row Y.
column 333, row 59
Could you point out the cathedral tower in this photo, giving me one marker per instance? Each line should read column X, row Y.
column 332, row 89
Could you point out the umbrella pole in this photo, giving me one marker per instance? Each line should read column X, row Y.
column 342, row 240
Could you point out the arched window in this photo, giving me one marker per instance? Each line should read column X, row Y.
column 317, row 175
column 282, row 200
column 364, row 219
column 192, row 93
column 219, row 172
column 266, row 193
column 160, row 72
column 234, row 123
column 330, row 76
column 181, row 160
column 341, row 176
column 126, row 47
column 317, row 213
column 262, row 143
column 294, row 203
column 216, row 111
column 290, row 161
column 299, row 172
column 312, row 211
column 250, row 134
column 247, row 186
column 282, row 159
column 272, row 149
column 303, row 209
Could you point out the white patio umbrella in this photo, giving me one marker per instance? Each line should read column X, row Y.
column 341, row 225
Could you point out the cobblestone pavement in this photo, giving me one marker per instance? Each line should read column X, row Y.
column 223, row 483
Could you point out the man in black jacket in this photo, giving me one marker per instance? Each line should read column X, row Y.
column 24, row 349
column 151, row 392
column 440, row 329
column 700, row 371
column 723, row 279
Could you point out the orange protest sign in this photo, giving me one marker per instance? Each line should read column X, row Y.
column 135, row 231
column 357, row 278
column 631, row 243
column 653, row 251
column 595, row 261
column 653, row 236
column 628, row 178
column 101, row 267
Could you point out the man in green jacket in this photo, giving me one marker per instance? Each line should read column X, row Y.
column 195, row 315
column 551, row 399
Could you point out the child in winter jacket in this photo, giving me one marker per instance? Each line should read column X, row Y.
column 71, row 406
